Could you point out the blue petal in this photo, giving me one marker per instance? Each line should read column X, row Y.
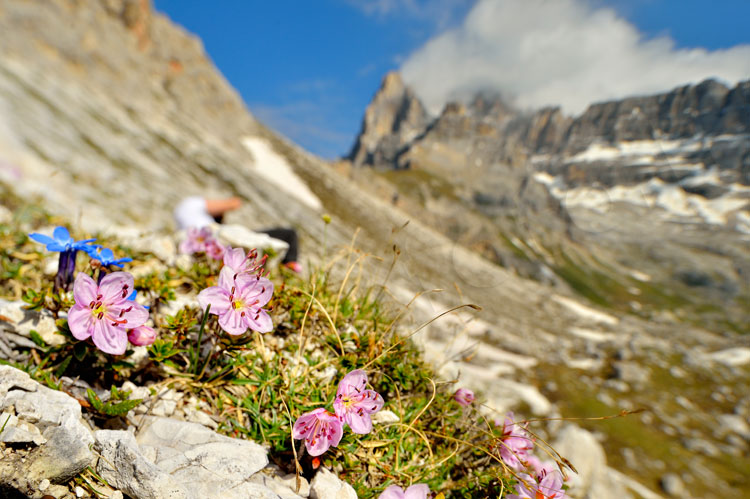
column 93, row 250
column 84, row 244
column 62, row 235
column 41, row 238
column 124, row 260
column 133, row 295
column 106, row 255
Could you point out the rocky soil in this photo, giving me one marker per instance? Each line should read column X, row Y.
column 112, row 116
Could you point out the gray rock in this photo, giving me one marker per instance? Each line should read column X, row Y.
column 631, row 372
column 672, row 485
column 233, row 458
column 62, row 449
column 587, row 455
column 10, row 377
column 123, row 465
column 179, row 459
column 283, row 485
column 701, row 446
column 326, row 485
column 24, row 321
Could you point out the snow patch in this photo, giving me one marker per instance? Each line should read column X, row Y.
column 591, row 335
column 644, row 150
column 732, row 356
column 273, row 167
column 586, row 312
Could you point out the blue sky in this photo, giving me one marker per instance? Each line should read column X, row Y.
column 308, row 69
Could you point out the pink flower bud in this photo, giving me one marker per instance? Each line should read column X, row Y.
column 464, row 396
column 142, row 336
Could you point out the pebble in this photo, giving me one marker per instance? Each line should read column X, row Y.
column 80, row 492
column 44, row 485
column 672, row 485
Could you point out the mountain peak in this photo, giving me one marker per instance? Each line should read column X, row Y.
column 393, row 119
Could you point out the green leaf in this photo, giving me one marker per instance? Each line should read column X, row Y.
column 63, row 366
column 80, row 350
column 94, row 400
column 36, row 338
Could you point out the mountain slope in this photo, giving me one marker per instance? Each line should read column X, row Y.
column 110, row 117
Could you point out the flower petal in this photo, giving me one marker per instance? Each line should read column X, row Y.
column 136, row 316
column 112, row 286
column 360, row 424
column 317, row 446
column 108, row 338
column 263, row 323
column 234, row 258
column 80, row 321
column 84, row 289
column 392, row 492
column 337, row 428
column 261, row 290
column 41, row 238
column 62, row 235
column 370, row 402
column 417, row 491
column 354, row 382
column 226, row 278
column 303, row 424
column 217, row 298
column 231, row 321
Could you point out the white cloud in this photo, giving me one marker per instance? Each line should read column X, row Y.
column 558, row 52
column 439, row 13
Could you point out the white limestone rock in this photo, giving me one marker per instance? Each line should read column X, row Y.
column 582, row 449
column 23, row 321
column 123, row 466
column 48, row 420
column 326, row 485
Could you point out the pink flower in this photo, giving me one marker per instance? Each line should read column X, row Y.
column 418, row 491
column 242, row 263
column 464, row 396
column 142, row 336
column 238, row 300
column 548, row 487
column 104, row 313
column 214, row 249
column 320, row 429
column 515, row 444
column 196, row 240
column 354, row 402
column 540, row 468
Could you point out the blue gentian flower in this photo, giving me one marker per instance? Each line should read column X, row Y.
column 68, row 248
column 105, row 256
column 61, row 240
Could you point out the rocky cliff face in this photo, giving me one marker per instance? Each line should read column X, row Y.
column 554, row 183
column 393, row 119
column 709, row 111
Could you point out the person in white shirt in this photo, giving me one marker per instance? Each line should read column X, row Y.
column 196, row 211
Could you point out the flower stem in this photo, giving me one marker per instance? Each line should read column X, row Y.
column 200, row 337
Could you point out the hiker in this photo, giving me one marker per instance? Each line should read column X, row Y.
column 198, row 212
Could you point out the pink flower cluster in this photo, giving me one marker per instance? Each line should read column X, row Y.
column 104, row 313
column 418, row 491
column 537, row 479
column 202, row 241
column 353, row 405
column 240, row 295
